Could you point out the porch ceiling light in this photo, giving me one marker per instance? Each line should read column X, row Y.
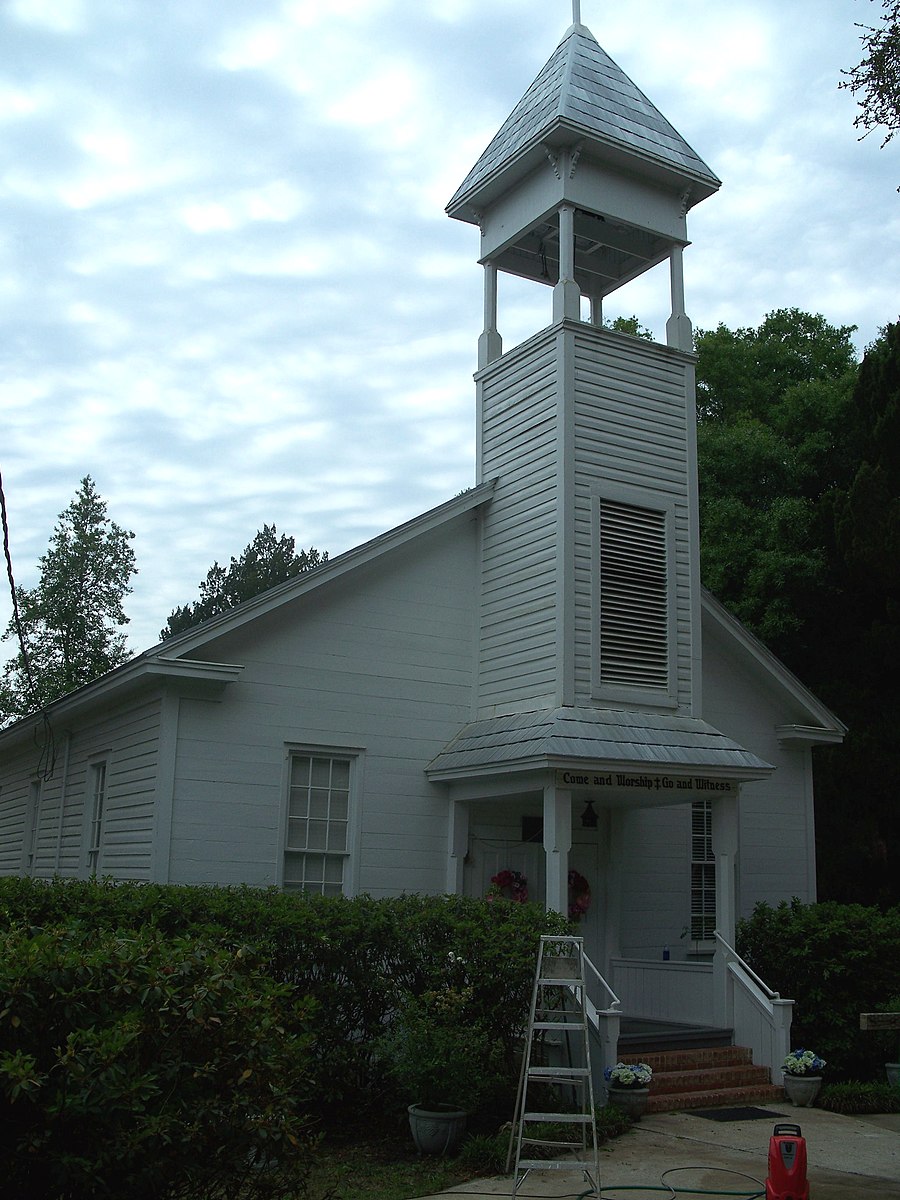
column 589, row 817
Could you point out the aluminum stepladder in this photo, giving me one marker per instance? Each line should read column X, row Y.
column 550, row 1094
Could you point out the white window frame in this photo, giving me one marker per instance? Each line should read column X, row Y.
column 31, row 827
column 635, row 693
column 309, row 824
column 703, row 874
column 98, row 801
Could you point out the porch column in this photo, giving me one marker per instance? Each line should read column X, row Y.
column 725, row 847
column 457, row 846
column 557, row 844
column 614, row 858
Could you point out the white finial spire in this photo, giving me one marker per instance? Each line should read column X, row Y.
column 576, row 12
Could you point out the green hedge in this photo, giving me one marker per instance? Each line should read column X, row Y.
column 836, row 961
column 134, row 1063
column 356, row 959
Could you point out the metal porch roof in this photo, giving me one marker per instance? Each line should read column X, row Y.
column 600, row 736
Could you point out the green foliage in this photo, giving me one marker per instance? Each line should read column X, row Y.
column 875, row 81
column 437, row 1050
column 134, row 1063
column 630, row 325
column 854, row 1098
column 358, row 959
column 835, row 961
column 70, row 621
column 268, row 560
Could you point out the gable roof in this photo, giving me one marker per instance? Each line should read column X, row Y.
column 821, row 725
column 603, row 737
column 171, row 659
column 583, row 93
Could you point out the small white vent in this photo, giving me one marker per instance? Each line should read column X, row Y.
column 634, row 597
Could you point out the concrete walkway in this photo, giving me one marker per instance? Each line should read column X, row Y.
column 850, row 1158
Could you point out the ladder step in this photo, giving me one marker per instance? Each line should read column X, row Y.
column 558, row 1118
column 558, row 1073
column 558, row 1025
column 556, row 1164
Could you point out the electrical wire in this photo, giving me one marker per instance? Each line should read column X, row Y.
column 43, row 734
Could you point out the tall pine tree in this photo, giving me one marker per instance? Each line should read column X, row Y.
column 71, row 621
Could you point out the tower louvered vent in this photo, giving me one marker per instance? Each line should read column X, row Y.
column 634, row 607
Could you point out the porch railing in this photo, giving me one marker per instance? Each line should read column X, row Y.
column 604, row 1025
column 758, row 1015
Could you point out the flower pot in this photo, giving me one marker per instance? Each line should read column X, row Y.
column 802, row 1089
column 633, row 1101
column 437, row 1129
column 892, row 1070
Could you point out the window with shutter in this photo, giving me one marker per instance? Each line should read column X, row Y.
column 703, row 873
column 634, row 598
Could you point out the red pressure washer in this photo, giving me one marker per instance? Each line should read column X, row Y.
column 787, row 1165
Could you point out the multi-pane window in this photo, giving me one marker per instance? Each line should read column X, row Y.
column 703, row 873
column 318, row 823
column 633, row 597
column 97, row 805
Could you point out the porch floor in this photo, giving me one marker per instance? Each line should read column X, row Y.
column 638, row 1036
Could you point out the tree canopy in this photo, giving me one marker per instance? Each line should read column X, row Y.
column 268, row 560
column 799, row 462
column 875, row 80
column 71, row 621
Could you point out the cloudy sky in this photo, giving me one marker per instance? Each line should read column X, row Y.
column 229, row 290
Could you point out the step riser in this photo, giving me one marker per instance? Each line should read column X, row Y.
column 725, row 1097
column 723, row 1077
column 708, row 1077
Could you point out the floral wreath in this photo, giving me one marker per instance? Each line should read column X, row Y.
column 508, row 885
column 579, row 895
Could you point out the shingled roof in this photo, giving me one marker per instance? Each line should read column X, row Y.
column 581, row 89
column 600, row 737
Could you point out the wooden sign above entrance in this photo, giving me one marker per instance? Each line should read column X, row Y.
column 581, row 780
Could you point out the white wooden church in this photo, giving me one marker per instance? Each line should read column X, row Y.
column 529, row 677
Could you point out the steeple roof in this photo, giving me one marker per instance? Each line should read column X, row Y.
column 582, row 94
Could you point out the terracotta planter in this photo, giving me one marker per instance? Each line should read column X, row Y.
column 631, row 1100
column 802, row 1089
column 436, row 1130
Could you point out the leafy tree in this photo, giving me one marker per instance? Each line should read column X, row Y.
column 629, row 325
column 70, row 622
column 875, row 81
column 773, row 411
column 859, row 636
column 268, row 560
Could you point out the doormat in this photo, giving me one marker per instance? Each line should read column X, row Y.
column 735, row 1114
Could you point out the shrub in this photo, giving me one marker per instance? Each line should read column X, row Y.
column 854, row 1098
column 835, row 961
column 149, row 1066
column 359, row 959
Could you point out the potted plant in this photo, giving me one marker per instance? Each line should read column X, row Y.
column 802, row 1077
column 440, row 1057
column 892, row 1069
column 628, row 1087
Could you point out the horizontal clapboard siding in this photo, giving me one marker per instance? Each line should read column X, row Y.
column 518, row 617
column 630, row 433
column 380, row 666
column 127, row 742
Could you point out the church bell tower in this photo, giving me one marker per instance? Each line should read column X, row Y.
column 590, row 593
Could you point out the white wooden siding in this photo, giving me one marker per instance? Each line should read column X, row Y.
column 379, row 665
column 127, row 742
column 631, row 413
column 520, row 436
